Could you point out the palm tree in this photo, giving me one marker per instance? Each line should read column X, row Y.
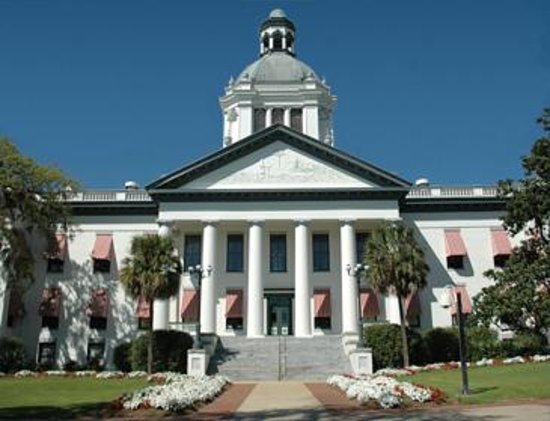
column 151, row 272
column 396, row 265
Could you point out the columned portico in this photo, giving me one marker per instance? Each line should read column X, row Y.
column 208, row 285
column 161, row 308
column 302, row 279
column 349, row 284
column 255, row 309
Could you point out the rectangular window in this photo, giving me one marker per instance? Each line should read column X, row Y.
column 55, row 266
column 360, row 245
column 321, row 253
column 192, row 251
column 99, row 323
column 46, row 354
column 102, row 266
column 500, row 260
column 144, row 323
column 96, row 353
column 50, row 322
column 322, row 323
column 455, row 262
column 277, row 253
column 235, row 253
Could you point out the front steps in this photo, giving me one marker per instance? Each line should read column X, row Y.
column 279, row 358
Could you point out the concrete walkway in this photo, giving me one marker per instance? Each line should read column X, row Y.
column 294, row 400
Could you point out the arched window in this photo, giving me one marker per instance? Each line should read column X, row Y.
column 265, row 41
column 259, row 119
column 278, row 116
column 296, row 119
column 277, row 41
column 289, row 42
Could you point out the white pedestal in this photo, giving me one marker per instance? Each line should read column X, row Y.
column 197, row 362
column 361, row 361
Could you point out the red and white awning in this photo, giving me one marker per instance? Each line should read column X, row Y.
column 143, row 309
column 234, row 303
column 99, row 304
column 412, row 305
column 190, row 305
column 454, row 245
column 50, row 303
column 321, row 302
column 103, row 247
column 501, row 242
column 369, row 303
column 466, row 302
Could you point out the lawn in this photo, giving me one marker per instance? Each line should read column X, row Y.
column 491, row 384
column 60, row 397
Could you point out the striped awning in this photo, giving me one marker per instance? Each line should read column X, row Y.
column 321, row 302
column 143, row 309
column 412, row 305
column 103, row 247
column 454, row 245
column 59, row 248
column 99, row 304
column 466, row 302
column 190, row 305
column 501, row 242
column 234, row 303
column 369, row 303
column 50, row 304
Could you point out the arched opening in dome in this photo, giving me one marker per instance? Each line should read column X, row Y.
column 290, row 42
column 296, row 119
column 259, row 119
column 277, row 41
column 265, row 42
column 278, row 116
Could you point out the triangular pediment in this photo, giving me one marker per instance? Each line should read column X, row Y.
column 278, row 158
column 278, row 166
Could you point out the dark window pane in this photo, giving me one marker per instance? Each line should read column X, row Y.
column 102, row 266
column 96, row 353
column 235, row 323
column 500, row 260
column 277, row 41
column 55, row 265
column 46, row 354
column 259, row 119
column 51, row 322
column 277, row 253
column 99, row 323
column 321, row 253
column 296, row 119
column 144, row 323
column 455, row 262
column 277, row 116
column 360, row 243
column 192, row 251
column 235, row 253
column 322, row 323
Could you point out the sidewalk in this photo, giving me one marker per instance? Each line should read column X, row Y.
column 295, row 400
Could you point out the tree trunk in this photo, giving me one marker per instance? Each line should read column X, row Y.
column 150, row 344
column 405, row 345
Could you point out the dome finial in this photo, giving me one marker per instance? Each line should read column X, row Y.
column 277, row 13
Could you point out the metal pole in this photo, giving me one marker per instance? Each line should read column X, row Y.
column 198, row 342
column 358, row 276
column 462, row 345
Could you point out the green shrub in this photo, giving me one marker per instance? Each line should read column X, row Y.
column 12, row 355
column 526, row 344
column 169, row 351
column 71, row 365
column 121, row 357
column 385, row 342
column 482, row 342
column 441, row 344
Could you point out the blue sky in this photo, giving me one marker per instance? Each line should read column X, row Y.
column 117, row 90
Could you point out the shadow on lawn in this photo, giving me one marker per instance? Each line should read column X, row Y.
column 94, row 410
column 480, row 390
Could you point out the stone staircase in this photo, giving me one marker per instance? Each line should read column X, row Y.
column 279, row 357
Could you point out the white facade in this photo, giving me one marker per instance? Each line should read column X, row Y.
column 269, row 192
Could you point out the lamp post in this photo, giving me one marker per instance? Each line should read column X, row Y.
column 447, row 299
column 199, row 272
column 357, row 271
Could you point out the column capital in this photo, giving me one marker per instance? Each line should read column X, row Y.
column 210, row 222
column 302, row 221
column 165, row 227
column 347, row 221
column 259, row 222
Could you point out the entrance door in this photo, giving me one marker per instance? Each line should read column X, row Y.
column 279, row 317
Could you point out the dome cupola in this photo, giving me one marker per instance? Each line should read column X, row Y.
column 277, row 33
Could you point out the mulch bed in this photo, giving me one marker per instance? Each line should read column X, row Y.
column 332, row 398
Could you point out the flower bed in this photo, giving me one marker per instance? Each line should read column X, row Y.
column 179, row 392
column 386, row 391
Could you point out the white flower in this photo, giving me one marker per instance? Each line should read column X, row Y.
column 541, row 358
column 179, row 392
column 56, row 373
column 25, row 373
column 109, row 375
column 85, row 373
column 134, row 374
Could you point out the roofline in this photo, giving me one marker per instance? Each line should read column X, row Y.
column 232, row 152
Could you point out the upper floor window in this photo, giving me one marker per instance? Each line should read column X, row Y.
column 192, row 251
column 55, row 266
column 321, row 253
column 277, row 116
column 277, row 253
column 360, row 245
column 235, row 253
column 259, row 119
column 296, row 119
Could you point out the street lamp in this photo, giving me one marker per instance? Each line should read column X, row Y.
column 450, row 296
column 357, row 271
column 199, row 272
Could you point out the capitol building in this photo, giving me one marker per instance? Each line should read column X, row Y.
column 276, row 216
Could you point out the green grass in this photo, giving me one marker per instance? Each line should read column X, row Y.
column 60, row 397
column 491, row 384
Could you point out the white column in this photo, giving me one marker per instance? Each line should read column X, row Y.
column 271, row 42
column 161, row 308
column 350, row 320
column 268, row 117
column 286, row 117
column 208, row 283
column 303, row 283
column 255, row 310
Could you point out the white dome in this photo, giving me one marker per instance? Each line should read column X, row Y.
column 277, row 67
